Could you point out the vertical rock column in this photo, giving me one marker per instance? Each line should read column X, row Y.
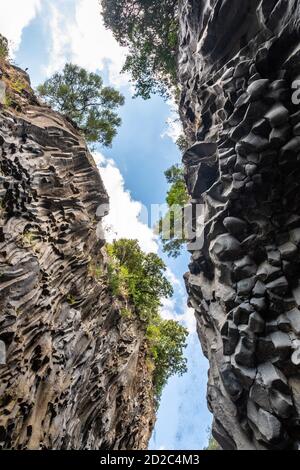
column 73, row 371
column 239, row 64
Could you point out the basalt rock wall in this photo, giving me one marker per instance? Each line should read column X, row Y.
column 239, row 64
column 73, row 371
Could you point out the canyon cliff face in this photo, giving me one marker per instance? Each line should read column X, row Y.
column 73, row 371
column 238, row 64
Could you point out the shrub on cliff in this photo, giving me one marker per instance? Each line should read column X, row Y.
column 212, row 443
column 171, row 226
column 167, row 341
column 81, row 96
column 138, row 277
column 139, row 280
column 149, row 30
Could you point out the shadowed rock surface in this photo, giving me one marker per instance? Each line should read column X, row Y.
column 238, row 63
column 73, row 371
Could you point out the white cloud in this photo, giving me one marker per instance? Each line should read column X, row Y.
column 173, row 279
column 15, row 15
column 174, row 127
column 83, row 39
column 170, row 312
column 124, row 218
column 59, row 31
column 123, row 221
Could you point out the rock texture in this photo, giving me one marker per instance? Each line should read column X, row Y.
column 239, row 65
column 73, row 371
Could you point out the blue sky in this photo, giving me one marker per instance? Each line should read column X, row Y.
column 44, row 34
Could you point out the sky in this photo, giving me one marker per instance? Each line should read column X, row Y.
column 43, row 36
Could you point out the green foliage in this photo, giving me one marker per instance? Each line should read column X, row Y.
column 181, row 143
column 149, row 30
column 171, row 226
column 167, row 340
column 126, row 313
column 174, row 174
column 71, row 299
column 139, row 279
column 95, row 270
column 212, row 443
column 28, row 239
column 177, row 194
column 137, row 276
column 3, row 48
column 17, row 85
column 81, row 96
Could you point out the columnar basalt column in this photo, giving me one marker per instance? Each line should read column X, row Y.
column 239, row 64
column 73, row 372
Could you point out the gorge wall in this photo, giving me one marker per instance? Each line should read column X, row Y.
column 73, row 371
column 238, row 64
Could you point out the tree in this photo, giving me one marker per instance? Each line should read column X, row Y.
column 138, row 276
column 182, row 143
column 171, row 226
column 167, row 340
column 139, row 280
column 81, row 96
column 149, row 30
column 212, row 443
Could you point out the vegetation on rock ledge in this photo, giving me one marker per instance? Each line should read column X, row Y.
column 139, row 280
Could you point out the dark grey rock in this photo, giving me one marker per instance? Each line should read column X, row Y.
column 244, row 268
column 2, row 353
column 268, row 273
column 282, row 405
column 252, row 116
column 257, row 88
column 235, row 226
column 295, row 236
column 279, row 136
column 259, row 395
column 246, row 375
column 269, row 426
column 254, row 143
column 199, row 152
column 226, row 248
column 73, row 370
column 279, row 286
column 294, row 319
column 273, row 378
column 230, row 381
column 258, row 303
column 288, row 251
column 278, row 115
column 241, row 313
column 274, row 258
column 245, row 286
column 290, row 149
column 230, row 337
column 259, row 289
column 295, row 358
column 282, row 343
column 262, row 128
column 256, row 323
column 245, row 352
